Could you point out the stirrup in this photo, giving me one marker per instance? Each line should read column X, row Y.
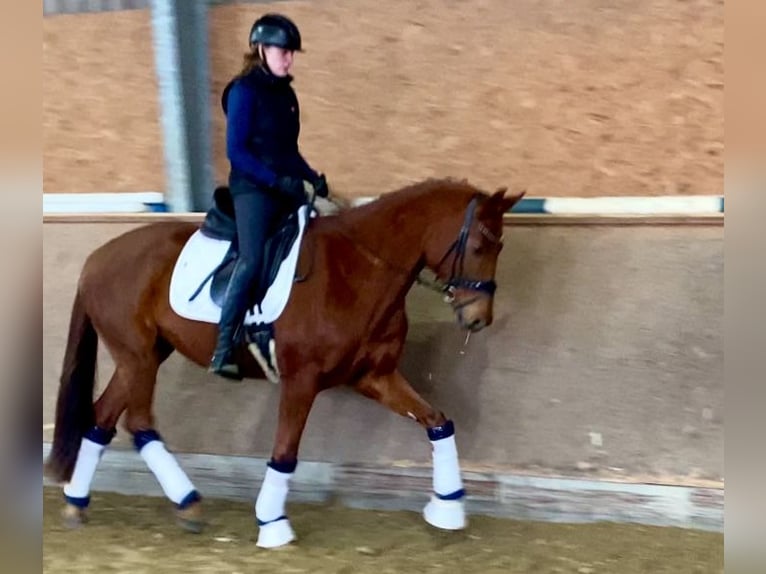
column 225, row 367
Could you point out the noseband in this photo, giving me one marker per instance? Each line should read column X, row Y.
column 456, row 279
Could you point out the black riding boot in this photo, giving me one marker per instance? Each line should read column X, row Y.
column 232, row 315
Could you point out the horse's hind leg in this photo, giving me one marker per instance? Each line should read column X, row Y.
column 108, row 409
column 139, row 421
column 446, row 508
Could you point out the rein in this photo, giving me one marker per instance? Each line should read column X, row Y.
column 311, row 209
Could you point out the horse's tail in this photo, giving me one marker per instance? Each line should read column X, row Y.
column 75, row 413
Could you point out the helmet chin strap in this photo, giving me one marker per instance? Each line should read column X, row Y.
column 264, row 63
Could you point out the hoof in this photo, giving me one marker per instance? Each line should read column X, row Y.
column 190, row 518
column 445, row 514
column 275, row 534
column 73, row 516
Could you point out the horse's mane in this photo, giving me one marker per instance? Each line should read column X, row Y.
column 431, row 185
column 445, row 187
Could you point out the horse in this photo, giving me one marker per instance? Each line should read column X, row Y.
column 344, row 324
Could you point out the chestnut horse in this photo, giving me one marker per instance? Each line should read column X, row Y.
column 344, row 324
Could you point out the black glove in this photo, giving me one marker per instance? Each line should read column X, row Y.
column 320, row 186
column 293, row 188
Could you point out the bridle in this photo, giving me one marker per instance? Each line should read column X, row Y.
column 456, row 279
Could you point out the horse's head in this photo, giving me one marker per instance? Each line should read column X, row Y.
column 467, row 266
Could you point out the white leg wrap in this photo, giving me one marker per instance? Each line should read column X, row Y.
column 446, row 509
column 447, row 478
column 445, row 514
column 84, row 469
column 173, row 480
column 274, row 529
column 270, row 504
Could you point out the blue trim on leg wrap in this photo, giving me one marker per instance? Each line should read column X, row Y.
column 457, row 495
column 283, row 467
column 100, row 436
column 189, row 499
column 265, row 522
column 144, row 437
column 78, row 501
column 444, row 431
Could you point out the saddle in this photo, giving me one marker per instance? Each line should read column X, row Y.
column 220, row 223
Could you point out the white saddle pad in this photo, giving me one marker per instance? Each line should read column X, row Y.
column 202, row 254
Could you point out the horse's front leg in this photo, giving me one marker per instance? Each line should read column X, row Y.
column 296, row 400
column 446, row 508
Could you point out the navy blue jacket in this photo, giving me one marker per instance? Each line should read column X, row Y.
column 263, row 124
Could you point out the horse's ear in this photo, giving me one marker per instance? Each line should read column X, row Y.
column 500, row 203
column 498, row 194
column 495, row 200
column 511, row 200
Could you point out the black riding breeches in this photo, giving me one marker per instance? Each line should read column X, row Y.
column 256, row 213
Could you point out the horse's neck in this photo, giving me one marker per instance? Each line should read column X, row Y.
column 392, row 229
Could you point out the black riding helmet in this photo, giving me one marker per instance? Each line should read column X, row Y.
column 276, row 30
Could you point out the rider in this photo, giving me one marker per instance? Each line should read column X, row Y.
column 267, row 172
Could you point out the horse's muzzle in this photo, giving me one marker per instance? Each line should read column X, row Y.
column 476, row 315
column 476, row 325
